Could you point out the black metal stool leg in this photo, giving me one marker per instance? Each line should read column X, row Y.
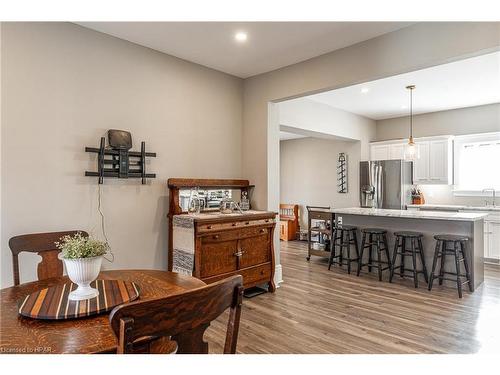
column 443, row 256
column 466, row 265
column 414, row 259
column 348, row 235
column 360, row 260
column 422, row 260
column 402, row 261
column 386, row 249
column 379, row 259
column 434, row 264
column 332, row 249
column 356, row 247
column 341, row 247
column 370, row 251
column 457, row 266
column 394, row 257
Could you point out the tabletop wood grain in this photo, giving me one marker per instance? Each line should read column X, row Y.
column 87, row 335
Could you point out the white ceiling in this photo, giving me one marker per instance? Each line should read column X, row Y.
column 270, row 45
column 466, row 83
column 284, row 136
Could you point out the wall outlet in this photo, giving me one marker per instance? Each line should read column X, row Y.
column 339, row 220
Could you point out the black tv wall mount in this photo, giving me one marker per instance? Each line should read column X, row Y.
column 117, row 161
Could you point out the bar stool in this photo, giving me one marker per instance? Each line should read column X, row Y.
column 376, row 238
column 416, row 247
column 344, row 236
column 448, row 244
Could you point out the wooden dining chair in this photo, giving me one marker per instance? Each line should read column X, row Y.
column 183, row 317
column 44, row 245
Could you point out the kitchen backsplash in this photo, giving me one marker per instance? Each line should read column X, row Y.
column 443, row 194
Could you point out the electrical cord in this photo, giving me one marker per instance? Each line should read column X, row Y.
column 103, row 227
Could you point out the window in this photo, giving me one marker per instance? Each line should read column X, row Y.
column 477, row 160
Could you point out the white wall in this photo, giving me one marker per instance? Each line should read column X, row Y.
column 479, row 119
column 308, row 175
column 309, row 117
column 62, row 87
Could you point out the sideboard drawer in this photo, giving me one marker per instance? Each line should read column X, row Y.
column 253, row 232
column 209, row 228
column 229, row 235
column 254, row 274
column 251, row 276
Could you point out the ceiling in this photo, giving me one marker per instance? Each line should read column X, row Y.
column 465, row 83
column 285, row 136
column 270, row 45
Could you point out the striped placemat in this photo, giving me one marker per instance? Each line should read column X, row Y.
column 53, row 302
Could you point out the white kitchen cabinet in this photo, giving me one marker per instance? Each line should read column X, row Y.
column 393, row 150
column 421, row 165
column 379, row 152
column 397, row 151
column 438, row 161
column 435, row 164
column 492, row 239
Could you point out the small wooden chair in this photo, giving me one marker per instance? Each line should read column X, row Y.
column 289, row 221
column 183, row 316
column 44, row 245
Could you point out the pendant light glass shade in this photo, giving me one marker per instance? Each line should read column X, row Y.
column 411, row 151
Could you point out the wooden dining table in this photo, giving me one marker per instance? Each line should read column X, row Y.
column 86, row 335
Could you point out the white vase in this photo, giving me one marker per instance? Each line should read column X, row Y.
column 82, row 272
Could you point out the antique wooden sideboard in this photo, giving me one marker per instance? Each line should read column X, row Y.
column 226, row 244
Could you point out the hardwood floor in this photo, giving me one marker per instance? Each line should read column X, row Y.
column 321, row 311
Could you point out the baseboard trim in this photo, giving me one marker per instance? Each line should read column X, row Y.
column 278, row 275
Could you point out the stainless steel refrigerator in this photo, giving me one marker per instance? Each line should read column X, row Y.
column 385, row 183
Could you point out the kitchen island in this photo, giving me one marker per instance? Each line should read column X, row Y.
column 429, row 223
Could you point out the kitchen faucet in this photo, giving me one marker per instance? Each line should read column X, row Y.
column 494, row 195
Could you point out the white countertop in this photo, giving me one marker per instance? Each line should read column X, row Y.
column 412, row 214
column 456, row 207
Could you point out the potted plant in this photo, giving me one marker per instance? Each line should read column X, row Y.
column 82, row 257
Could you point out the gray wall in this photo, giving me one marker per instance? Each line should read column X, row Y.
column 308, row 173
column 480, row 119
column 62, row 87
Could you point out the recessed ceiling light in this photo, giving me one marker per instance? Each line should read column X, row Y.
column 241, row 36
column 365, row 90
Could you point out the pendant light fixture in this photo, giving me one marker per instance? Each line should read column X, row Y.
column 411, row 149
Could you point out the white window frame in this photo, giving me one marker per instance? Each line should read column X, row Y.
column 458, row 143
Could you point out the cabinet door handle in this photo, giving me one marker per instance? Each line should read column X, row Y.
column 233, row 224
column 209, row 227
column 216, row 237
column 262, row 231
column 246, row 223
column 239, row 253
